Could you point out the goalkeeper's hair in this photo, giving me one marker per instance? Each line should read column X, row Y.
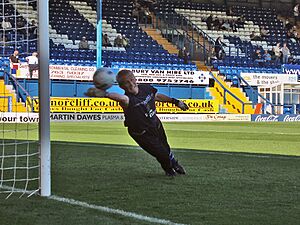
column 122, row 74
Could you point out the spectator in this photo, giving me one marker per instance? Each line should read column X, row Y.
column 21, row 28
column 83, row 44
column 233, row 26
column 6, row 25
column 288, row 25
column 277, row 53
column 147, row 15
column 257, row 57
column 211, row 56
column 226, row 26
column 33, row 29
column 125, row 41
column 285, row 53
column 2, row 40
column 118, row 42
column 209, row 22
column 296, row 13
column 240, row 22
column 105, row 41
column 135, row 12
column 184, row 54
column 229, row 11
column 267, row 56
column 14, row 58
column 272, row 53
column 219, row 51
column 254, row 37
column 216, row 24
column 264, row 32
column 33, row 63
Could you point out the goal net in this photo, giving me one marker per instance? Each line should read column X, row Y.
column 21, row 133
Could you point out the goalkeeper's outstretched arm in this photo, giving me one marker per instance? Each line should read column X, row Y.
column 164, row 98
column 96, row 92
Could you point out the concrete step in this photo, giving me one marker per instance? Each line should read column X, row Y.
column 156, row 35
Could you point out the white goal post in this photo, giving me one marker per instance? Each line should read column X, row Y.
column 44, row 96
column 25, row 150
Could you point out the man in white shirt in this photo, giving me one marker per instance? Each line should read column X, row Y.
column 6, row 25
column 33, row 63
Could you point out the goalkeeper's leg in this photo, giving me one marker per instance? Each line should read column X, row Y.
column 175, row 165
column 151, row 143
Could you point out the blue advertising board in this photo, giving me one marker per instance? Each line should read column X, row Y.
column 275, row 118
column 291, row 69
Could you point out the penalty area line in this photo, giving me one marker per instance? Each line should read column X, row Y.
column 104, row 209
column 113, row 211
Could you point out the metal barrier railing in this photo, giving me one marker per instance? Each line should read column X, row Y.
column 21, row 93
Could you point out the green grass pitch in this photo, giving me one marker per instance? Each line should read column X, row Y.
column 238, row 174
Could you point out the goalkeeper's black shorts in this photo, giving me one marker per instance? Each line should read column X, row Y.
column 154, row 141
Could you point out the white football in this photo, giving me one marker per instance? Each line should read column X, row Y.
column 103, row 78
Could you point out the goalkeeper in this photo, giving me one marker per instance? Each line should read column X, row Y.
column 143, row 125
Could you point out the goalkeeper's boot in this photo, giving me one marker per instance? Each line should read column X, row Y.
column 170, row 172
column 178, row 168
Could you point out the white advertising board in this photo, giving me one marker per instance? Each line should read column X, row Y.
column 265, row 79
column 97, row 117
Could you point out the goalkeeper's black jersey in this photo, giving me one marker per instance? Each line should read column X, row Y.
column 141, row 112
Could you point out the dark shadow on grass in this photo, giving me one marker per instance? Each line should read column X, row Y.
column 180, row 150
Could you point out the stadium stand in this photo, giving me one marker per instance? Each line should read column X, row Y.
column 239, row 47
column 71, row 20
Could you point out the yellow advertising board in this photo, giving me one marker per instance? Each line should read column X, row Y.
column 105, row 105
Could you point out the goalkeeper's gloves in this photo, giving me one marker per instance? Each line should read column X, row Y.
column 180, row 104
column 95, row 92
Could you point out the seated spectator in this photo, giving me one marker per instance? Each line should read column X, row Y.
column 233, row 26
column 240, row 21
column 229, row 11
column 105, row 41
column 267, row 56
column 254, row 37
column 257, row 57
column 118, row 42
column 288, row 25
column 135, row 12
column 83, row 44
column 125, row 41
column 226, row 26
column 264, row 32
column 285, row 53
